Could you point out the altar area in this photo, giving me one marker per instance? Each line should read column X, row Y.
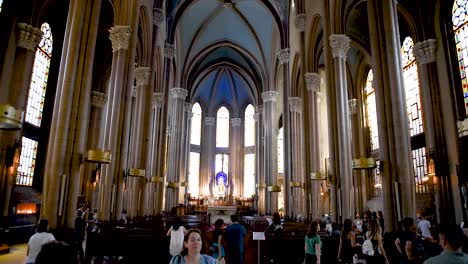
column 224, row 212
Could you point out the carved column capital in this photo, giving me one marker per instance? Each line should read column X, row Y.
column 210, row 121
column 178, row 93
column 258, row 113
column 352, row 105
column 28, row 37
column 188, row 107
column 295, row 104
column 169, row 51
column 339, row 45
column 269, row 96
column 300, row 22
column 120, row 37
column 158, row 16
column 142, row 75
column 312, row 80
column 283, row 55
column 236, row 122
column 98, row 99
column 157, row 99
column 425, row 51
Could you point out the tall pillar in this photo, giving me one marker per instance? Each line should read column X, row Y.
column 185, row 150
column 259, row 175
column 352, row 107
column 207, row 154
column 313, row 87
column 15, row 95
column 398, row 189
column 270, row 165
column 235, row 166
column 297, row 156
column 174, row 150
column 340, row 47
column 434, row 128
column 119, row 36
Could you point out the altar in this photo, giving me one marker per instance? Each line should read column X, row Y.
column 221, row 212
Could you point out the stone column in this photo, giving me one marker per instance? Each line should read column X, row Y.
column 174, row 150
column 434, row 127
column 340, row 47
column 119, row 36
column 398, row 189
column 207, row 155
column 260, row 190
column 185, row 150
column 352, row 111
column 270, row 138
column 236, row 157
column 297, row 157
column 15, row 95
column 156, row 183
column 313, row 87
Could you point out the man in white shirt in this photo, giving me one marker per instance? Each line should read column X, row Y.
column 37, row 240
column 424, row 227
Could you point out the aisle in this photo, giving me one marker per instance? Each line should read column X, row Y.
column 17, row 255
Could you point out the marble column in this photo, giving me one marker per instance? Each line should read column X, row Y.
column 174, row 150
column 15, row 95
column 340, row 47
column 207, row 155
column 260, row 190
column 156, row 183
column 119, row 36
column 236, row 157
column 185, row 150
column 313, row 87
column 434, row 128
column 398, row 189
column 270, row 139
column 297, row 156
column 354, row 188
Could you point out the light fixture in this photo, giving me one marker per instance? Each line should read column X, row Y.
column 364, row 163
column 10, row 117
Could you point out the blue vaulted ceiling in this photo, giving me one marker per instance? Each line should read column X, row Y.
column 225, row 49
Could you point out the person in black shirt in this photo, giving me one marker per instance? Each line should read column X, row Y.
column 79, row 233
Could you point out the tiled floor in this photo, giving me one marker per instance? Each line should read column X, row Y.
column 17, row 255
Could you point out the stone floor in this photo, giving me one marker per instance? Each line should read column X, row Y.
column 17, row 255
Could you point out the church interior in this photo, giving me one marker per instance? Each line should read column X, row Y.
column 147, row 109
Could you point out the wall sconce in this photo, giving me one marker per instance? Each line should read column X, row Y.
column 10, row 118
column 100, row 157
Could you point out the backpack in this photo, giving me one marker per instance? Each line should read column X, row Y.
column 368, row 248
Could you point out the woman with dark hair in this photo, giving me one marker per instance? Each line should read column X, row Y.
column 176, row 232
column 313, row 244
column 347, row 242
column 378, row 255
column 191, row 253
column 218, row 249
column 38, row 240
column 56, row 252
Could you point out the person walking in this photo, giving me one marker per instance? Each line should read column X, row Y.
column 37, row 240
column 313, row 244
column 177, row 233
column 235, row 234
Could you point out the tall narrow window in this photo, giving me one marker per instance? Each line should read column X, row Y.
column 222, row 128
column 280, row 151
column 34, row 107
column 249, row 151
column 415, row 117
column 1, row 5
column 194, row 160
column 460, row 28
column 371, row 121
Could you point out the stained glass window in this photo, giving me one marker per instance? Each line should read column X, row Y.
column 27, row 162
column 249, row 153
column 194, row 174
column 460, row 27
column 280, row 151
column 249, row 126
column 420, row 170
column 371, row 120
column 249, row 174
column 195, row 130
column 37, row 87
column 222, row 128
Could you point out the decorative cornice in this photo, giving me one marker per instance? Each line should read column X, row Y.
column 120, row 37
column 425, row 51
column 178, row 93
column 98, row 99
column 312, row 80
column 236, row 122
column 28, row 37
column 158, row 16
column 142, row 75
column 295, row 104
column 283, row 55
column 340, row 45
column 210, row 121
column 300, row 22
column 352, row 105
column 269, row 96
column 157, row 99
column 169, row 51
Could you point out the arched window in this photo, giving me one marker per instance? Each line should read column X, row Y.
column 1, row 5
column 460, row 28
column 415, row 118
column 249, row 151
column 34, row 106
column 194, row 159
column 280, row 151
column 222, row 128
column 371, row 121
